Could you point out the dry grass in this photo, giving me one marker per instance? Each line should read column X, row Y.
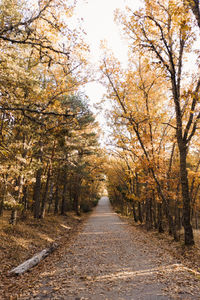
column 22, row 241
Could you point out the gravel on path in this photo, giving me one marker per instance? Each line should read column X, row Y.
column 112, row 260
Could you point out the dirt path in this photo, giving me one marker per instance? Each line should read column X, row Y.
column 112, row 260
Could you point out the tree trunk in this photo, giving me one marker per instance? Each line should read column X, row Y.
column 140, row 212
column 44, row 199
column 1, row 206
column 24, row 198
column 188, row 231
column 134, row 212
column 56, row 200
column 28, row 264
column 13, row 217
column 194, row 5
column 2, row 199
column 179, row 224
column 160, row 217
column 50, row 198
column 154, row 212
column 197, row 220
column 36, row 194
column 176, row 223
column 170, row 224
column 24, row 201
column 76, row 204
column 63, row 205
column 148, row 214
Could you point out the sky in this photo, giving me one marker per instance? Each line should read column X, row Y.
column 98, row 22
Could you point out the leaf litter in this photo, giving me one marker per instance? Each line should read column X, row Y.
column 110, row 259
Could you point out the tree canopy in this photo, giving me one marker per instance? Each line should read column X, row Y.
column 155, row 115
column 49, row 151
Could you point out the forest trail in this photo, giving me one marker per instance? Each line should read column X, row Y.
column 112, row 260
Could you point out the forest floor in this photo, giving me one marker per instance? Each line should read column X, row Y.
column 20, row 242
column 106, row 257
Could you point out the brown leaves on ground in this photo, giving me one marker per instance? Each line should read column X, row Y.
column 187, row 255
column 171, row 263
column 20, row 242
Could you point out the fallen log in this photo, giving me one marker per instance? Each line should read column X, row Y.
column 28, row 264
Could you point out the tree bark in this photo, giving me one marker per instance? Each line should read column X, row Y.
column 2, row 199
column 56, row 200
column 50, row 198
column 36, row 194
column 56, row 195
column 160, row 217
column 197, row 220
column 44, row 199
column 13, row 217
column 24, row 198
column 194, row 5
column 189, row 238
column 140, row 212
column 28, row 264
column 76, row 204
column 134, row 213
column 1, row 206
column 63, row 205
column 148, row 214
column 24, row 201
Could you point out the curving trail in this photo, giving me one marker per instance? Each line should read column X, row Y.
column 112, row 260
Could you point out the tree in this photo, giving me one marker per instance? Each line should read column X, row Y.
column 44, row 121
column 165, row 33
column 194, row 6
column 141, row 125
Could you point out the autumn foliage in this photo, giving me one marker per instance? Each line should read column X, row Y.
column 50, row 159
column 49, row 154
column 155, row 118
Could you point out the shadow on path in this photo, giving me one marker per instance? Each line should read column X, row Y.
column 111, row 260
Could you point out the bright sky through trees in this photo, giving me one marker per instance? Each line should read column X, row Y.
column 98, row 22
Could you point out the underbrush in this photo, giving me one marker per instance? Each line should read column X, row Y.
column 29, row 236
column 19, row 242
column 87, row 206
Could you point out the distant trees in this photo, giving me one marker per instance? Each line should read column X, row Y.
column 48, row 136
column 156, row 112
